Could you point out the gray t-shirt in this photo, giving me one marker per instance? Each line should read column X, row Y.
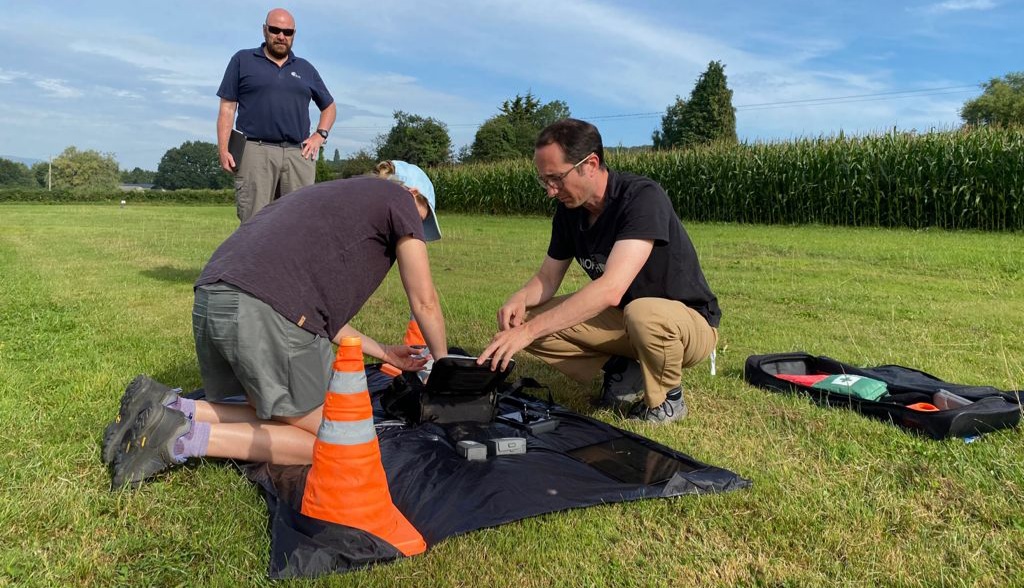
column 317, row 254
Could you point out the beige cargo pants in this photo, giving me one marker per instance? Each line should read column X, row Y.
column 665, row 336
column 268, row 172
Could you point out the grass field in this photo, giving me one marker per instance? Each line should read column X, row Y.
column 91, row 295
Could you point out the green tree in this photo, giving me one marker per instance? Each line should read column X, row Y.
column 85, row 170
column 14, row 174
column 323, row 171
column 497, row 139
column 1002, row 102
column 337, row 157
column 552, row 111
column 138, row 176
column 707, row 117
column 40, row 172
column 361, row 162
column 671, row 132
column 195, row 164
column 512, row 132
column 415, row 139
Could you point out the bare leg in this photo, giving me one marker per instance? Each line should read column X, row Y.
column 240, row 434
column 267, row 441
column 215, row 412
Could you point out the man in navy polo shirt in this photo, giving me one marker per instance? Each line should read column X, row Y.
column 270, row 89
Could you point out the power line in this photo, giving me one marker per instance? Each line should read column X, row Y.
column 850, row 99
column 875, row 99
column 910, row 93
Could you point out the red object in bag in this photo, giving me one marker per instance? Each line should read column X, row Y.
column 803, row 380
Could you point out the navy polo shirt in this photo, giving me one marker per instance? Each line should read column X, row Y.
column 273, row 102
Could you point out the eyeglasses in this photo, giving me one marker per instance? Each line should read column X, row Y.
column 556, row 181
column 277, row 30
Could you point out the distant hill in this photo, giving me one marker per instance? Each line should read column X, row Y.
column 26, row 160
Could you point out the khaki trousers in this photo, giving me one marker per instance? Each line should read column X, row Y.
column 268, row 172
column 665, row 336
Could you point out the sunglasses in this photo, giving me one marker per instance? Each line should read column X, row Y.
column 278, row 31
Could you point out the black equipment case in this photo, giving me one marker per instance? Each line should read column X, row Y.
column 457, row 391
column 990, row 408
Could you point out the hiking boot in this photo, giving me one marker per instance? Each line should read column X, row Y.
column 149, row 447
column 142, row 393
column 623, row 382
column 664, row 413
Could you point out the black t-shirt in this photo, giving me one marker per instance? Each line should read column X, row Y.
column 637, row 208
column 317, row 254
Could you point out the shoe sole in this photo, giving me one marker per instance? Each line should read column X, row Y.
column 619, row 403
column 145, row 453
column 677, row 416
column 132, row 405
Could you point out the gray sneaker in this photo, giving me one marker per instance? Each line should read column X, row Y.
column 149, row 448
column 623, row 382
column 142, row 393
column 664, row 413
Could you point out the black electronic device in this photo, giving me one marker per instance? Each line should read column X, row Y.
column 529, row 419
column 460, row 374
column 459, row 390
column 630, row 461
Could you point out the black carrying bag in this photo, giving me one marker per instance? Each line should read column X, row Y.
column 457, row 391
column 990, row 408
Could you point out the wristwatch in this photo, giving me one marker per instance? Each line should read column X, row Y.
column 322, row 133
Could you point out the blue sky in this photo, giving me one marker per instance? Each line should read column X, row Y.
column 137, row 78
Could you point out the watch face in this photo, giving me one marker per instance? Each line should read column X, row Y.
column 322, row 133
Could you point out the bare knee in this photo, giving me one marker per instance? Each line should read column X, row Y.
column 309, row 422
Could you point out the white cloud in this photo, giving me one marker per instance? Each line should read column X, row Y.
column 7, row 76
column 189, row 97
column 119, row 93
column 194, row 128
column 57, row 88
column 961, row 5
column 166, row 64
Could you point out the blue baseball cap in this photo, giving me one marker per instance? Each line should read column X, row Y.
column 414, row 177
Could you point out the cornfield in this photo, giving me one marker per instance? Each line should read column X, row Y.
column 964, row 179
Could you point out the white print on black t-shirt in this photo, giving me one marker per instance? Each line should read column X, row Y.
column 593, row 265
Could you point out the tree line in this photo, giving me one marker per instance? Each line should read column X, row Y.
column 707, row 116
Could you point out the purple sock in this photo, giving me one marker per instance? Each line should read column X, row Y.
column 185, row 405
column 192, row 444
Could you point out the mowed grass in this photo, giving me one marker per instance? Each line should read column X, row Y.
column 91, row 295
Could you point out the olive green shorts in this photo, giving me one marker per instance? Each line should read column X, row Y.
column 245, row 347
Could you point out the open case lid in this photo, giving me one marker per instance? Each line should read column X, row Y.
column 460, row 375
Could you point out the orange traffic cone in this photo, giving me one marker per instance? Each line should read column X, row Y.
column 413, row 336
column 346, row 484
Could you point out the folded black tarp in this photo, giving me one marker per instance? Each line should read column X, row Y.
column 990, row 408
column 443, row 494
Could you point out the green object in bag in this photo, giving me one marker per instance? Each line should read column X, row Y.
column 856, row 386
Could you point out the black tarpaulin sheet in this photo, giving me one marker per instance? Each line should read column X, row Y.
column 443, row 494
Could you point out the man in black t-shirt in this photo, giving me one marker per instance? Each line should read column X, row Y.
column 648, row 311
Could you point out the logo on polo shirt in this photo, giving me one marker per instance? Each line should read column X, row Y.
column 295, row 75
